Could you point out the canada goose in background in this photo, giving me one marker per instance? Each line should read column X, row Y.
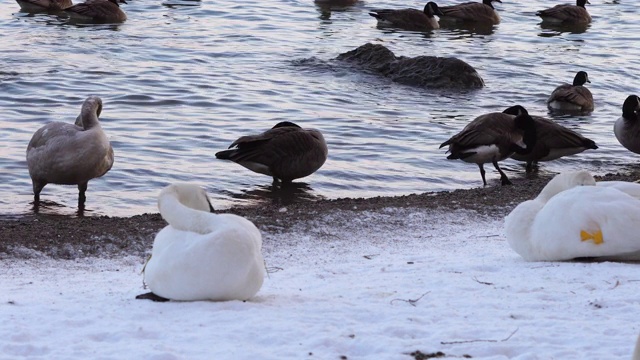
column 102, row 11
column 409, row 19
column 574, row 97
column 70, row 154
column 483, row 12
column 491, row 138
column 553, row 140
column 44, row 5
column 201, row 255
column 627, row 127
column 566, row 14
column 576, row 217
column 286, row 152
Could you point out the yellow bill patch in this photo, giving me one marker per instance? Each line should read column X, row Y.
column 595, row 236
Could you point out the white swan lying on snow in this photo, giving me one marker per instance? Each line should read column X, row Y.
column 200, row 255
column 574, row 217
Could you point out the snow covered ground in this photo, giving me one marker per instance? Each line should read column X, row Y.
column 351, row 285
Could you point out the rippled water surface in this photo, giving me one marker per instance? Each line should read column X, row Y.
column 182, row 79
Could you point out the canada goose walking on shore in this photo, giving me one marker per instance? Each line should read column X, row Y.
column 286, row 152
column 44, row 5
column 409, row 19
column 493, row 137
column 566, row 14
column 627, row 127
column 70, row 154
column 553, row 141
column 478, row 12
column 572, row 97
column 101, row 11
column 200, row 255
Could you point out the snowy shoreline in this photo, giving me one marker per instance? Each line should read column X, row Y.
column 361, row 285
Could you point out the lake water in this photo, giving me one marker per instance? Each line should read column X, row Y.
column 182, row 79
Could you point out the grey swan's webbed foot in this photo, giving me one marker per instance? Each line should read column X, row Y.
column 151, row 296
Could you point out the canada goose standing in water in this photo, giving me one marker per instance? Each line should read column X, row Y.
column 101, row 11
column 409, row 19
column 483, row 12
column 43, row 5
column 201, row 255
column 566, row 14
column 574, row 97
column 553, row 140
column 70, row 154
column 627, row 127
column 286, row 152
column 491, row 138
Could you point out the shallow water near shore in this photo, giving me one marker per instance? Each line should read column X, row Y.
column 182, row 79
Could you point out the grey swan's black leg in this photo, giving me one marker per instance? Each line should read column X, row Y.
column 82, row 188
column 151, row 296
column 37, row 188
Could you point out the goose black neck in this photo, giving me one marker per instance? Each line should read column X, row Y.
column 528, row 126
column 631, row 108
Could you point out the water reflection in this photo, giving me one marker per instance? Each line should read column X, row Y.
column 468, row 28
column 283, row 195
column 48, row 207
column 551, row 29
column 326, row 7
column 173, row 4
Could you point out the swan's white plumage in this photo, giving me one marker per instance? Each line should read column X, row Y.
column 201, row 255
column 563, row 222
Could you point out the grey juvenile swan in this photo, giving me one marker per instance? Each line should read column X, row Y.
column 103, row 11
column 70, row 154
column 409, row 19
column 285, row 152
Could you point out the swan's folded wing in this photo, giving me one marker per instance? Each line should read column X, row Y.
column 51, row 131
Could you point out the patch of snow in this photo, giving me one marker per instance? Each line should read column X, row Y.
column 365, row 285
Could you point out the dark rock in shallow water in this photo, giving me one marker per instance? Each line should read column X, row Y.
column 423, row 71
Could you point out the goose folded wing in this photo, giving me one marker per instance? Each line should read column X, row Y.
column 468, row 11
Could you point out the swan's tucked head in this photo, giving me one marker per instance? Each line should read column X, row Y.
column 91, row 106
column 189, row 195
column 565, row 181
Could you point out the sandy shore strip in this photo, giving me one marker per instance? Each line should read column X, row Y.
column 61, row 237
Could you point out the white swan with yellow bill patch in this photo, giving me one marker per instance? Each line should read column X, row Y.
column 201, row 255
column 575, row 217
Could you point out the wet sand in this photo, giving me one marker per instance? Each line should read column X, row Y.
column 59, row 237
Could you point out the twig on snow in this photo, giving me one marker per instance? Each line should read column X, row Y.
column 481, row 340
column 481, row 282
column 411, row 302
